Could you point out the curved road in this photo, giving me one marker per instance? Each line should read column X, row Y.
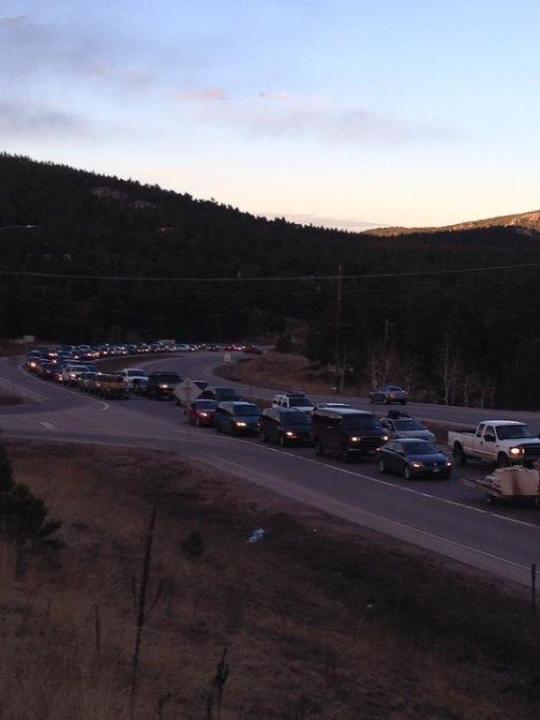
column 442, row 515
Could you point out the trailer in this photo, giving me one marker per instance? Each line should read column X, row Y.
column 510, row 483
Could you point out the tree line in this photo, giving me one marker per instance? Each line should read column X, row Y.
column 468, row 337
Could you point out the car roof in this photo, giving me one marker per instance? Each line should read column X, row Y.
column 408, row 441
column 338, row 412
column 496, row 423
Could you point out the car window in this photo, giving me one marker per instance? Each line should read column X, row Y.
column 480, row 429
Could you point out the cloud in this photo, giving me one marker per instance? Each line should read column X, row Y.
column 32, row 52
column 205, row 96
column 281, row 115
column 21, row 120
column 353, row 225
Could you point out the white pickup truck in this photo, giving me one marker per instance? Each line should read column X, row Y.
column 500, row 442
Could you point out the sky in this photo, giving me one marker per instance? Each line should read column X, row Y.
column 347, row 113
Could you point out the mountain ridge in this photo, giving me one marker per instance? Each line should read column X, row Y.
column 526, row 221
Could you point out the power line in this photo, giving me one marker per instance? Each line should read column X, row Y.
column 276, row 278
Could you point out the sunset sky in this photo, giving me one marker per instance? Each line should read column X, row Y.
column 347, row 112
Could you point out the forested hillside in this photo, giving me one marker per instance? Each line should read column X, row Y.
column 463, row 337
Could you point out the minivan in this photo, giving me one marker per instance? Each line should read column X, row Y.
column 346, row 432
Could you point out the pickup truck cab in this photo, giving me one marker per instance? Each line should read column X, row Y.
column 502, row 442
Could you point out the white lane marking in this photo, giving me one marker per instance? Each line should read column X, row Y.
column 393, row 522
column 402, row 488
column 48, row 425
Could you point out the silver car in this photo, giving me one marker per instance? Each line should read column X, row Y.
column 388, row 394
column 407, row 428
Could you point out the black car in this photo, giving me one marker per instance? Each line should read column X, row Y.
column 220, row 394
column 286, row 426
column 413, row 458
column 346, row 432
column 161, row 385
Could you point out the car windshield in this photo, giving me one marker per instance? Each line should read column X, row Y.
column 513, row 432
column 302, row 401
column 419, row 448
column 247, row 411
column 205, row 404
column 360, row 422
column 136, row 373
column 300, row 418
column 406, row 425
column 171, row 378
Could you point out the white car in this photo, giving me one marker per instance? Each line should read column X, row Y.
column 293, row 400
column 134, row 378
column 407, row 427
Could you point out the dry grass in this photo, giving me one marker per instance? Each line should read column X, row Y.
column 321, row 621
column 280, row 370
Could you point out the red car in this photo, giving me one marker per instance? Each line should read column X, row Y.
column 201, row 412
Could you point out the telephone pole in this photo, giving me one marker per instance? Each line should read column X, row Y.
column 337, row 353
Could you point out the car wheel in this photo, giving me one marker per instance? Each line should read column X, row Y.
column 371, row 400
column 459, row 456
column 490, row 499
column 319, row 449
column 382, row 466
column 282, row 441
column 345, row 455
column 407, row 473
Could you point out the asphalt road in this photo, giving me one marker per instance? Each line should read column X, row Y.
column 441, row 515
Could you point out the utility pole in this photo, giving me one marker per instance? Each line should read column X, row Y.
column 337, row 356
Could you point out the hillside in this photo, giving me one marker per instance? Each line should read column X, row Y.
column 527, row 221
column 157, row 263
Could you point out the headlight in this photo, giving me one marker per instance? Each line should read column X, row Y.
column 355, row 439
column 416, row 465
column 163, row 387
column 289, row 433
column 385, row 438
column 241, row 424
column 448, row 464
column 203, row 414
column 516, row 451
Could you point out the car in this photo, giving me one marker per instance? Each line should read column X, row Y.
column 240, row 418
column 71, row 372
column 110, row 386
column 331, row 405
column 403, row 426
column 285, row 426
column 346, row 432
column 86, row 381
column 413, row 458
column 293, row 399
column 220, row 394
column 252, row 350
column 48, row 371
column 161, row 385
column 202, row 412
column 388, row 394
column 134, row 378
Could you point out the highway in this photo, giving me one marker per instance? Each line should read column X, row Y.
column 440, row 515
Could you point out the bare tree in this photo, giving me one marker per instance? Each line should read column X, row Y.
column 448, row 370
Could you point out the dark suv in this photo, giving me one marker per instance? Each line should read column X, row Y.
column 345, row 432
column 161, row 385
column 286, row 426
